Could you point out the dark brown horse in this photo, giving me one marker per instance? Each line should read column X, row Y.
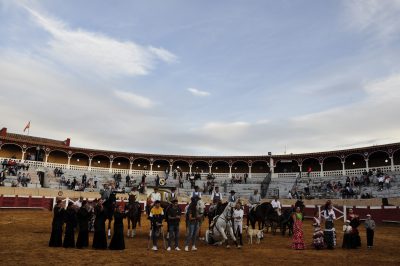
column 134, row 212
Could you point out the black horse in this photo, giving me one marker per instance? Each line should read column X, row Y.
column 109, row 207
column 134, row 213
column 263, row 214
column 286, row 220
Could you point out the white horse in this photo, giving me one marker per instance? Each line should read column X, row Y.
column 222, row 227
column 201, row 206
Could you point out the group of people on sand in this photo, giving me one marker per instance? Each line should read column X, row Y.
column 78, row 216
column 326, row 237
column 74, row 216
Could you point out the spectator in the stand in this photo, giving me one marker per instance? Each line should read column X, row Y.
column 73, row 184
column 95, row 181
column 84, row 179
column 127, row 180
column 4, row 163
column 381, row 179
column 180, row 182
column 387, row 182
column 157, row 181
column 290, row 195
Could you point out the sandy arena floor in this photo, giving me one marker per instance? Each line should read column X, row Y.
column 25, row 235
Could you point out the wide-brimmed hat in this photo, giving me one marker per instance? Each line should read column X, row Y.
column 368, row 215
column 232, row 191
column 174, row 200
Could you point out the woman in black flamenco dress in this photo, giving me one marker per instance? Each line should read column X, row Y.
column 57, row 226
column 99, row 238
column 117, row 241
column 83, row 222
column 70, row 221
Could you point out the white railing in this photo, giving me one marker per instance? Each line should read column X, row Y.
column 57, row 165
column 333, row 173
column 78, row 167
column 348, row 172
column 100, row 169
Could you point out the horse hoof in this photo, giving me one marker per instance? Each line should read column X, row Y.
column 239, row 247
column 228, row 246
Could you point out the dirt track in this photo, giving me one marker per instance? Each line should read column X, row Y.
column 25, row 234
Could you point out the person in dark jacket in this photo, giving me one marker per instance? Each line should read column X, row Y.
column 83, row 222
column 174, row 217
column 70, row 221
column 57, row 226
column 117, row 241
column 99, row 238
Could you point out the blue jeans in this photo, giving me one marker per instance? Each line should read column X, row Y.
column 173, row 231
column 193, row 228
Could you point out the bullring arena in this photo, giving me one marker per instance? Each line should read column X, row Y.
column 26, row 204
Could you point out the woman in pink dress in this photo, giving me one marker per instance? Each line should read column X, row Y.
column 298, row 235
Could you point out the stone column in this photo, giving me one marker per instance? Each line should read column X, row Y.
column 110, row 170
column 69, row 162
column 366, row 165
column 151, row 169
column 90, row 164
column 46, row 158
column 249, row 171
column 230, row 171
column 343, row 168
column 322, row 169
column 301, row 169
column 271, row 165
column 130, row 167
column 391, row 163
column 190, row 169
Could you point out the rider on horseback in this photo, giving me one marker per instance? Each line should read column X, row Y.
column 277, row 205
column 254, row 200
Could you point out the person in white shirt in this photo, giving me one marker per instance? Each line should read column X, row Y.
column 238, row 223
column 78, row 203
column 328, row 214
column 276, row 205
column 155, row 195
column 347, row 237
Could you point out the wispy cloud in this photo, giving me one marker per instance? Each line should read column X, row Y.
column 378, row 18
column 96, row 52
column 197, row 92
column 134, row 99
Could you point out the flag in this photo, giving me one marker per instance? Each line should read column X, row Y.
column 27, row 126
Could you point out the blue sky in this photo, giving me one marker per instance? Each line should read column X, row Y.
column 203, row 77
